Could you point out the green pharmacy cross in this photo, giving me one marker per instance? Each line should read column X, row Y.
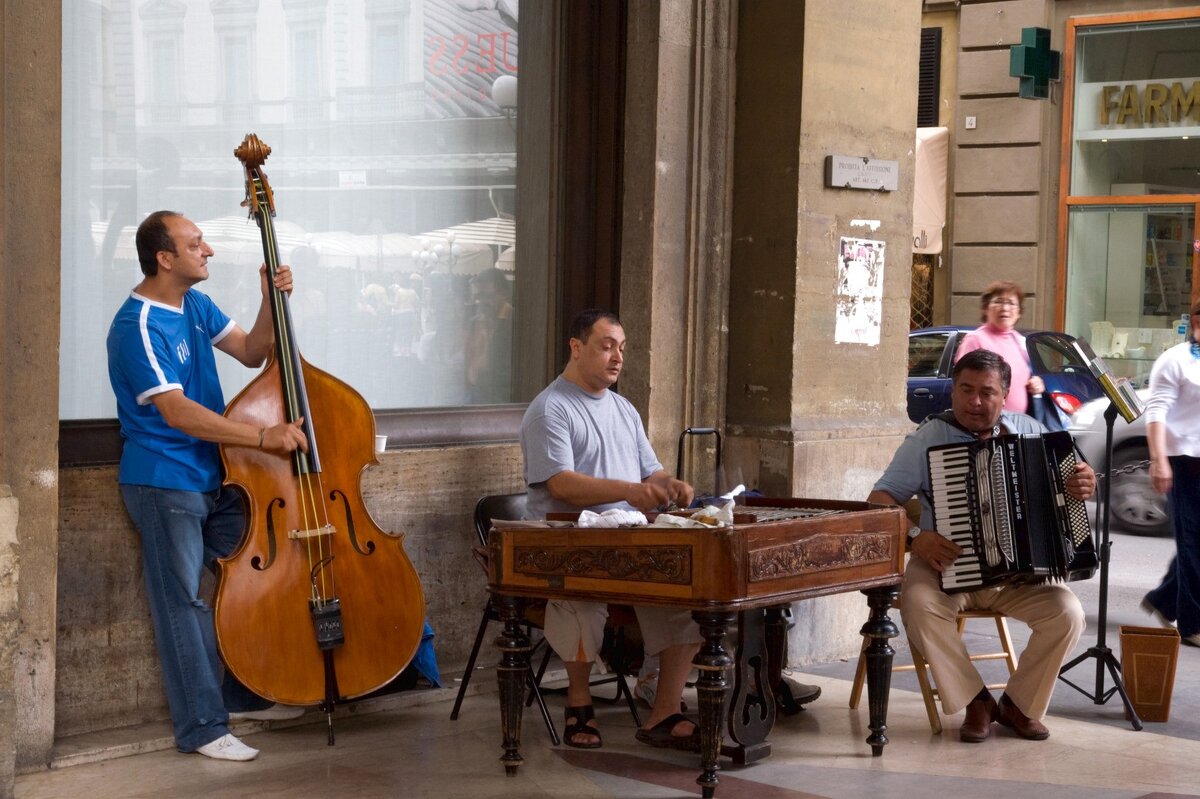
column 1035, row 63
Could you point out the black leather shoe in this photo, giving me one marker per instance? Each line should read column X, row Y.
column 791, row 696
column 1011, row 716
column 977, row 726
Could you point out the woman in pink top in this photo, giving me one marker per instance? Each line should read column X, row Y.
column 1002, row 302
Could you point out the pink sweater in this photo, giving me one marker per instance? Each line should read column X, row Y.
column 1010, row 346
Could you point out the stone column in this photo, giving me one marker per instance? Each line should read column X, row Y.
column 809, row 415
column 675, row 253
column 31, row 52
column 8, row 639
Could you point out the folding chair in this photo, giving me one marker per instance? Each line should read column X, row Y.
column 513, row 506
column 503, row 506
column 929, row 692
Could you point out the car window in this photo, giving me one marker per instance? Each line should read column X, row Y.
column 925, row 354
column 1054, row 354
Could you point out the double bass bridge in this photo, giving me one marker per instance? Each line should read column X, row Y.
column 316, row 532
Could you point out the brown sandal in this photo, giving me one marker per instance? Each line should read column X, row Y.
column 582, row 715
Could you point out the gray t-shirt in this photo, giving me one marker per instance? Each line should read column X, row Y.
column 908, row 473
column 567, row 429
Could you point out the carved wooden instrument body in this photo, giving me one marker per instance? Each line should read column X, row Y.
column 814, row 547
column 776, row 552
column 318, row 604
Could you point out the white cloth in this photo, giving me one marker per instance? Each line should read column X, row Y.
column 613, row 517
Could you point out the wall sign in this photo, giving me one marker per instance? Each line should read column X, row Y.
column 1034, row 63
column 860, row 172
column 1143, row 109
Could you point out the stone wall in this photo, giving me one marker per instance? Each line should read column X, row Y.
column 108, row 672
column 1001, row 199
column 8, row 638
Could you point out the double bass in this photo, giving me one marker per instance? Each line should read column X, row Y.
column 318, row 604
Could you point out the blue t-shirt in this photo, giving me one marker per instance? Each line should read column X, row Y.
column 567, row 429
column 153, row 348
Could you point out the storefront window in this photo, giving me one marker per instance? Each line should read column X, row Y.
column 393, row 166
column 1129, row 269
column 1136, row 124
column 1131, row 243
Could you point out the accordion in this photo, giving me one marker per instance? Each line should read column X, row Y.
column 1003, row 500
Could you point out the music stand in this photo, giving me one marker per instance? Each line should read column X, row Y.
column 1124, row 400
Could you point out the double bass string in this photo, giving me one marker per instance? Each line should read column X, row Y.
column 312, row 506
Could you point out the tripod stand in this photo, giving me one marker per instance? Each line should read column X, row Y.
column 1103, row 655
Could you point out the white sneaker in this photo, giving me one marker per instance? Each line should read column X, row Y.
column 1158, row 615
column 273, row 713
column 228, row 747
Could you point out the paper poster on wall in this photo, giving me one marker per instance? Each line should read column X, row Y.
column 859, row 291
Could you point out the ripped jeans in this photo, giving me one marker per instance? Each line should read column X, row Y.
column 183, row 532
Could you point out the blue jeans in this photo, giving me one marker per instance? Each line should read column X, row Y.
column 183, row 532
column 1178, row 595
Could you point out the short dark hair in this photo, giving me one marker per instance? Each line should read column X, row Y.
column 153, row 238
column 581, row 325
column 984, row 361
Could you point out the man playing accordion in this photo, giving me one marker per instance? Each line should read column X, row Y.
column 1052, row 611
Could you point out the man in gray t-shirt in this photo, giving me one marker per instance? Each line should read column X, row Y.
column 585, row 448
column 568, row 428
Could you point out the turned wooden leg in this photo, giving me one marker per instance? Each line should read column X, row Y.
column 511, row 674
column 879, row 629
column 713, row 662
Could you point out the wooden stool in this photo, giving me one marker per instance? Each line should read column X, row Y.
column 929, row 691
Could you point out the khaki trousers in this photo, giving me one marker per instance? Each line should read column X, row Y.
column 1052, row 612
column 575, row 630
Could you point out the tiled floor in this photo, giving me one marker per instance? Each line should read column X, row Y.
column 408, row 747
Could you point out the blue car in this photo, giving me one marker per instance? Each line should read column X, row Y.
column 931, row 356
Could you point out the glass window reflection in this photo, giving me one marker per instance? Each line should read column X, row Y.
column 393, row 168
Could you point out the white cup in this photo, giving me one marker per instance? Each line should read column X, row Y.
column 380, row 444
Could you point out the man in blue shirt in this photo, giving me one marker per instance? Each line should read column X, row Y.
column 169, row 403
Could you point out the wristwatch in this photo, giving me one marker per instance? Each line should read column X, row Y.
column 913, row 532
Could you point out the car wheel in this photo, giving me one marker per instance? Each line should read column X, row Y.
column 1136, row 507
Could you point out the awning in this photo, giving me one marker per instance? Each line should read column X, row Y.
column 497, row 231
column 929, row 195
column 507, row 262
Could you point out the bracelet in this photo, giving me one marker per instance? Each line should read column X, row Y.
column 261, row 435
